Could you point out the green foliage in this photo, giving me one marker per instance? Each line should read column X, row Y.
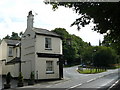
column 13, row 36
column 91, row 71
column 108, row 42
column 32, row 76
column 72, row 46
column 99, row 56
column 20, row 78
column 104, row 14
column 8, row 78
column 105, row 56
column 7, row 37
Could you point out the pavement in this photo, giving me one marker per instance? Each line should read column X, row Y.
column 40, row 84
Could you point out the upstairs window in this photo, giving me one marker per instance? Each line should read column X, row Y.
column 10, row 51
column 48, row 43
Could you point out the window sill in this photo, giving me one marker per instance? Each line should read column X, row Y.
column 49, row 72
column 48, row 48
column 10, row 56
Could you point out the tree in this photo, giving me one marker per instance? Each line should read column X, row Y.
column 7, row 37
column 109, row 43
column 105, row 56
column 105, row 15
column 13, row 36
column 72, row 46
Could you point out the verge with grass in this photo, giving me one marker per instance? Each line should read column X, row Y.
column 91, row 71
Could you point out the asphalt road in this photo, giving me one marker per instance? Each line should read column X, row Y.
column 74, row 80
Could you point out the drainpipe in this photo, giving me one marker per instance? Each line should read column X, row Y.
column 20, row 59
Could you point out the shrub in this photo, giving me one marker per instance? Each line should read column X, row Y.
column 8, row 78
column 32, row 76
column 20, row 77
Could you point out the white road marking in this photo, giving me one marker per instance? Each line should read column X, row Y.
column 74, row 86
column 49, row 86
column 91, row 80
column 113, row 85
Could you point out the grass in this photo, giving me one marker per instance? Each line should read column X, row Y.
column 91, row 71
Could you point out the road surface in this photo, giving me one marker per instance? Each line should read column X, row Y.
column 74, row 80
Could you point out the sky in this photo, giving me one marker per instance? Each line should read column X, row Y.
column 13, row 18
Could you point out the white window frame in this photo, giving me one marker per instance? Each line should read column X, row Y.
column 10, row 53
column 48, row 43
column 49, row 67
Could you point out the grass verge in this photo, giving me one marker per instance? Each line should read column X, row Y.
column 91, row 71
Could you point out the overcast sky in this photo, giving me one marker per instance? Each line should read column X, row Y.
column 13, row 18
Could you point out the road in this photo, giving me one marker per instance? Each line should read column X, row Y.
column 73, row 80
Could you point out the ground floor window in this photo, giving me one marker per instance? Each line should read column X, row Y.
column 49, row 67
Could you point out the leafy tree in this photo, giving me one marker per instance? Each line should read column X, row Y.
column 87, row 55
column 105, row 56
column 7, row 37
column 72, row 46
column 13, row 36
column 105, row 15
column 109, row 43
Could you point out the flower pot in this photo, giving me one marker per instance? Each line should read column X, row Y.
column 31, row 82
column 7, row 86
column 20, row 84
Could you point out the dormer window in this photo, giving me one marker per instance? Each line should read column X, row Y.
column 48, row 43
column 10, row 51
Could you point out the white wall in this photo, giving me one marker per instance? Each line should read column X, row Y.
column 4, row 49
column 13, row 69
column 41, row 68
column 28, row 53
column 56, row 45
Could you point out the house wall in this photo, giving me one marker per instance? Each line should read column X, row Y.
column 41, row 68
column 0, row 52
column 56, row 45
column 13, row 69
column 28, row 54
column 3, row 50
column 3, row 55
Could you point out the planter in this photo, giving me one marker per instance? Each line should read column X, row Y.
column 7, row 86
column 20, row 84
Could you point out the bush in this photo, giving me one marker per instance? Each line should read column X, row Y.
column 20, row 77
column 20, row 80
column 32, row 76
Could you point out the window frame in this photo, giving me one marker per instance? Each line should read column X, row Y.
column 48, row 43
column 49, row 67
column 10, row 52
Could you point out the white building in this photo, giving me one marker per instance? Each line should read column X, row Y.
column 41, row 52
column 10, row 56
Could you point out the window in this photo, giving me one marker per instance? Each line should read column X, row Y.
column 47, row 43
column 10, row 51
column 49, row 67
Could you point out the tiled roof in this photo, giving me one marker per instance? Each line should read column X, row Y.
column 45, row 32
column 12, row 42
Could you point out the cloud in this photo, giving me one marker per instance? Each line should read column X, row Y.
column 13, row 17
